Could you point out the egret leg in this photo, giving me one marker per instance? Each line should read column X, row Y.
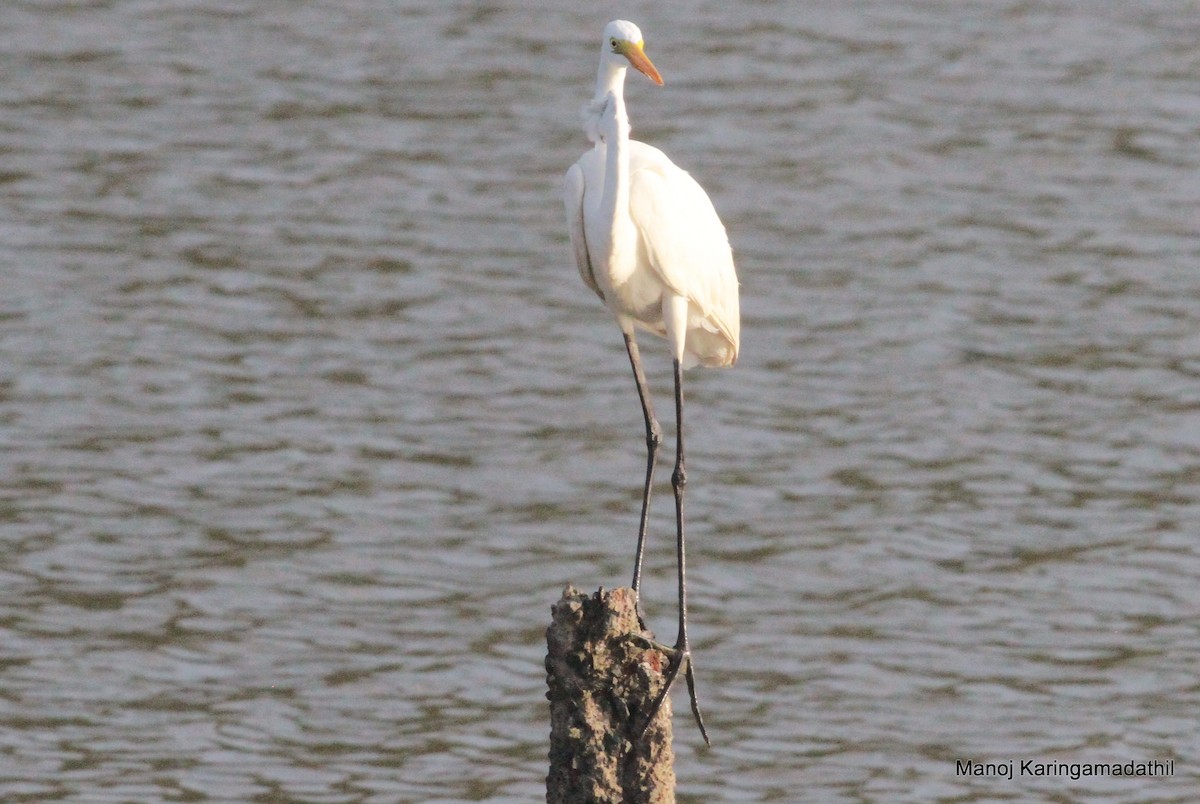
column 653, row 439
column 681, row 658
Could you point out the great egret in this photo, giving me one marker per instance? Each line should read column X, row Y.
column 649, row 243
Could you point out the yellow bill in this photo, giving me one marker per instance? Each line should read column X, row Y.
column 640, row 61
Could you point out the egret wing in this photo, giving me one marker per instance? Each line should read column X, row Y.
column 685, row 239
column 573, row 187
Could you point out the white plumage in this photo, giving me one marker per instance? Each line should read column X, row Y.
column 648, row 242
column 657, row 237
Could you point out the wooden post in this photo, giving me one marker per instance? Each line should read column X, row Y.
column 603, row 676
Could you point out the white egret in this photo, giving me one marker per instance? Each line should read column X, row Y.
column 649, row 243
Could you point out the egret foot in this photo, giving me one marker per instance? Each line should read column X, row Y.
column 680, row 659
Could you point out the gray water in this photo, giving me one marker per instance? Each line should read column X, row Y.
column 306, row 418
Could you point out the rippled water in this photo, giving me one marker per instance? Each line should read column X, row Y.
column 306, row 417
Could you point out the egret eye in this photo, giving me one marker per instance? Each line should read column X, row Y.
column 613, row 42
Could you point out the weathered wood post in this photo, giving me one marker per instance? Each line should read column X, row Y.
column 603, row 675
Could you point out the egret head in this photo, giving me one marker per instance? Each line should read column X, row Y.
column 622, row 46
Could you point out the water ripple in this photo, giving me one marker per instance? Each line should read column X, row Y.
column 306, row 419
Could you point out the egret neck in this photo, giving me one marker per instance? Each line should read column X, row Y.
column 614, row 197
column 610, row 80
column 610, row 77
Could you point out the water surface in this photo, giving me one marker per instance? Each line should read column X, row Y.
column 306, row 418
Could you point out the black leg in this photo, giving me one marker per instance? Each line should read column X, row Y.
column 679, row 483
column 682, row 652
column 653, row 439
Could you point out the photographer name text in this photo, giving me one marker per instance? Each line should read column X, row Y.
column 1073, row 770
